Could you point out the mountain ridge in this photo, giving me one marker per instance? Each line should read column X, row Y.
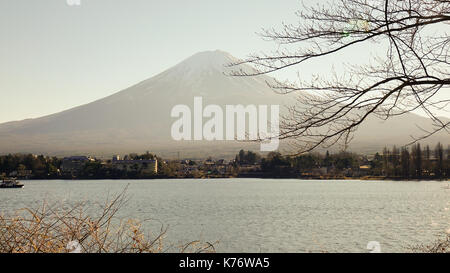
column 138, row 118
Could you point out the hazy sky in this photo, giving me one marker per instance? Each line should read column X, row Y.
column 54, row 56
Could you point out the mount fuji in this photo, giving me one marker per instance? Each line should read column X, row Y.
column 139, row 118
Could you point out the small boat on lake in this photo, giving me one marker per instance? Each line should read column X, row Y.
column 10, row 183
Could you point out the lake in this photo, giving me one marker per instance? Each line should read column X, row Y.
column 266, row 215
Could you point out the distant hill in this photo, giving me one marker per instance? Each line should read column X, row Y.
column 138, row 118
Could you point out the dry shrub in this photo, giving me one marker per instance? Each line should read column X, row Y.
column 71, row 228
column 441, row 245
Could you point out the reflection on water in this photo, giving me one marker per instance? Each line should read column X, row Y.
column 255, row 215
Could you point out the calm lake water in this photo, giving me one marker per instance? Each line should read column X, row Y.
column 270, row 215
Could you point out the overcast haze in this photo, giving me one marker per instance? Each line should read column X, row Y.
column 55, row 56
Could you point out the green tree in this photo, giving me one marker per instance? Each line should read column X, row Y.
column 417, row 160
column 427, row 161
column 395, row 160
column 406, row 163
column 377, row 165
column 386, row 162
column 439, row 155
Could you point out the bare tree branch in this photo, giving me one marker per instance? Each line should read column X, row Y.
column 413, row 72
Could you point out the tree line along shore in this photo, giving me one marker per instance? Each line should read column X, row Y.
column 406, row 163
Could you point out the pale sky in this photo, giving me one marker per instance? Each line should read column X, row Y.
column 54, row 56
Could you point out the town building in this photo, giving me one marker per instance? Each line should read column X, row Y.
column 21, row 174
column 145, row 167
column 72, row 166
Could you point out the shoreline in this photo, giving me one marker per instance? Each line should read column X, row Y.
column 263, row 178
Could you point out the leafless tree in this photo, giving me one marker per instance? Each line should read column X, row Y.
column 76, row 228
column 411, row 73
column 441, row 245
